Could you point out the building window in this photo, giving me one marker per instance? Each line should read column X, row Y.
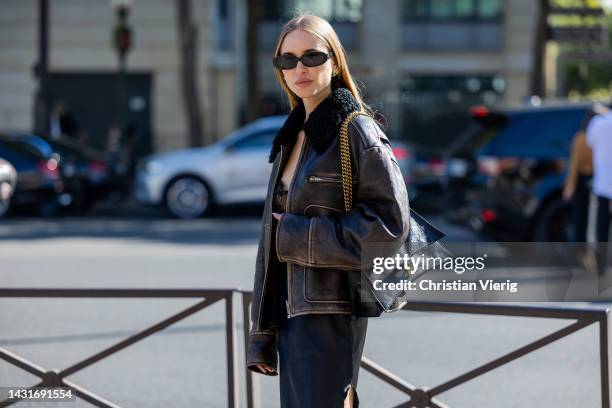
column 341, row 11
column 466, row 85
column 222, row 8
column 223, row 33
column 272, row 9
column 490, row 9
column 452, row 24
column 451, row 10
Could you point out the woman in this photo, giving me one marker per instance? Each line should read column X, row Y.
column 303, row 315
column 577, row 182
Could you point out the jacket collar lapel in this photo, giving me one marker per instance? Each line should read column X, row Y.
column 323, row 124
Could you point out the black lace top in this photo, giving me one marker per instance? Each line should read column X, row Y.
column 279, row 204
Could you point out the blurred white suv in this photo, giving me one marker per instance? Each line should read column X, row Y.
column 190, row 182
column 8, row 182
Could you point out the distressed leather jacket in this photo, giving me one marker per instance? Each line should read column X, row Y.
column 320, row 242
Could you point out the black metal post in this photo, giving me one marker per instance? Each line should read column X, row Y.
column 605, row 330
column 121, row 94
column 252, row 381
column 233, row 392
column 41, row 98
column 122, row 40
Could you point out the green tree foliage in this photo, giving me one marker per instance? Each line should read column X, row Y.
column 585, row 78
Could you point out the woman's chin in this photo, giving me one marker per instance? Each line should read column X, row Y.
column 305, row 93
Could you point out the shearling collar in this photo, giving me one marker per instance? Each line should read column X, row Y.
column 323, row 124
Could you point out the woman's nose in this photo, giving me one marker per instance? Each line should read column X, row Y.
column 300, row 66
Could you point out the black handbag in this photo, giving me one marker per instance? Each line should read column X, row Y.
column 367, row 302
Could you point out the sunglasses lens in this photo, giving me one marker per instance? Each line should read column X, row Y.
column 285, row 61
column 314, row 59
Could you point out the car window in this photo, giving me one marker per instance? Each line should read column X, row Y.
column 28, row 149
column 259, row 140
column 22, row 149
column 37, row 144
column 16, row 155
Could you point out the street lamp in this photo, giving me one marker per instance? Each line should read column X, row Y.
column 122, row 42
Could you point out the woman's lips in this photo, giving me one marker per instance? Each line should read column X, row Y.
column 303, row 83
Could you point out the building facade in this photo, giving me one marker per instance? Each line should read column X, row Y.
column 403, row 52
column 83, row 67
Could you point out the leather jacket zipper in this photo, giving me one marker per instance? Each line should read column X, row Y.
column 289, row 265
column 323, row 179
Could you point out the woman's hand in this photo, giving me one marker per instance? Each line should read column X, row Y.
column 568, row 191
column 277, row 215
column 265, row 368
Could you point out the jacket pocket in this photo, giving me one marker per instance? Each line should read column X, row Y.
column 326, row 285
column 316, row 210
column 325, row 197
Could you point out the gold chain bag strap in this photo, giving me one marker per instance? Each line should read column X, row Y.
column 422, row 234
column 368, row 306
column 345, row 161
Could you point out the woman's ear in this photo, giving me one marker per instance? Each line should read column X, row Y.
column 335, row 69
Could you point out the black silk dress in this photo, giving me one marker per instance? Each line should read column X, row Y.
column 319, row 354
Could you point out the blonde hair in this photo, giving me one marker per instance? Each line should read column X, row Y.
column 322, row 30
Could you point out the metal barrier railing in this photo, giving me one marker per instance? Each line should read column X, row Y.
column 53, row 378
column 425, row 397
column 419, row 397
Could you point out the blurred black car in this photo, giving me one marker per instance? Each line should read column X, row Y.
column 8, row 182
column 517, row 165
column 439, row 163
column 439, row 181
column 83, row 170
column 39, row 182
column 91, row 165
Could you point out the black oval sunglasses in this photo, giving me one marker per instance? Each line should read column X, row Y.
column 309, row 59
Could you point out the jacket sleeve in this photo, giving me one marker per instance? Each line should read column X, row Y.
column 380, row 213
column 261, row 347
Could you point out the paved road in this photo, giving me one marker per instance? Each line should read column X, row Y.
column 183, row 366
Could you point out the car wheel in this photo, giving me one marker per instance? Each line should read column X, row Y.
column 553, row 223
column 188, row 198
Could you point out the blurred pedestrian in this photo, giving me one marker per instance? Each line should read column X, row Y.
column 63, row 123
column 577, row 188
column 128, row 143
column 599, row 138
